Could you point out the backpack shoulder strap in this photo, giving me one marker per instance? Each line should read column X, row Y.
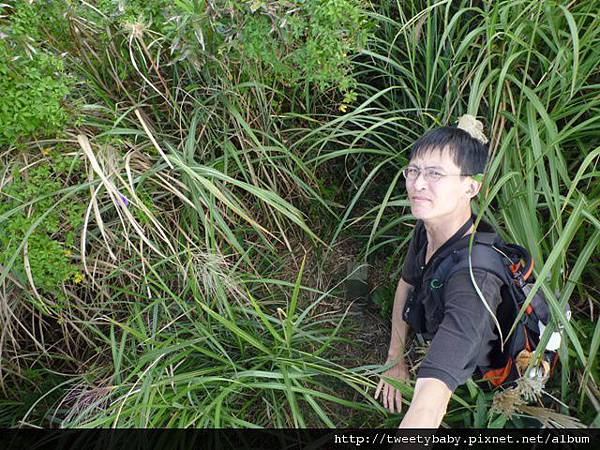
column 483, row 257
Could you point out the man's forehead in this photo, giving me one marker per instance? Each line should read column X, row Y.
column 434, row 158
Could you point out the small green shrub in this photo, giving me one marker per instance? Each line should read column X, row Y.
column 33, row 82
column 301, row 41
column 149, row 12
column 32, row 94
column 281, row 42
column 278, row 43
column 52, row 243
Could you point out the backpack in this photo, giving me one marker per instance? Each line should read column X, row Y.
column 514, row 266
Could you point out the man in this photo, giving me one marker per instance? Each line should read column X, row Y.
column 440, row 186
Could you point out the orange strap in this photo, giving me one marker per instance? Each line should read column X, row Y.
column 527, row 344
column 498, row 376
column 529, row 271
column 554, row 362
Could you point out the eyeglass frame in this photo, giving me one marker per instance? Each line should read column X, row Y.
column 425, row 177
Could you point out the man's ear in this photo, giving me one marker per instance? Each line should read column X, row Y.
column 473, row 188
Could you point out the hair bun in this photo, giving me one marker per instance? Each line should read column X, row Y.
column 472, row 126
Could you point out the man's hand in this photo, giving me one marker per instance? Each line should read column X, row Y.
column 391, row 397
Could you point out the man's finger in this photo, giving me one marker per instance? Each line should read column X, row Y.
column 391, row 394
column 385, row 391
column 399, row 400
column 378, row 390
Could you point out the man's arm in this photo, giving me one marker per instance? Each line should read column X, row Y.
column 391, row 397
column 399, row 326
column 429, row 404
column 453, row 353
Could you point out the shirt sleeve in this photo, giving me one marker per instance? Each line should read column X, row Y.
column 466, row 328
column 410, row 269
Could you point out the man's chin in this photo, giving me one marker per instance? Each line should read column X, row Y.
column 420, row 213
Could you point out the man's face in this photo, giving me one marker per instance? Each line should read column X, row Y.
column 441, row 196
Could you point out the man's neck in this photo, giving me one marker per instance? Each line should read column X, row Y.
column 440, row 229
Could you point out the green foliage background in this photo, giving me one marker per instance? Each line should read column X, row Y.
column 183, row 184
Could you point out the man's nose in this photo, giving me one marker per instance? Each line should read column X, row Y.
column 420, row 181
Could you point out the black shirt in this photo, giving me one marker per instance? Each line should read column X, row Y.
column 467, row 336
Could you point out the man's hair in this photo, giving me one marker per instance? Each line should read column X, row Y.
column 468, row 153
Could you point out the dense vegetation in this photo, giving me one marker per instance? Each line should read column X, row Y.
column 185, row 187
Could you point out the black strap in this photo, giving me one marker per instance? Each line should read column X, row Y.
column 483, row 257
column 449, row 245
column 459, row 242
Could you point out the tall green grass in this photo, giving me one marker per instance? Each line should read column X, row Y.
column 530, row 72
column 212, row 296
column 187, row 315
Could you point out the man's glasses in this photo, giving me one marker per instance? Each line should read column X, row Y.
column 430, row 174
